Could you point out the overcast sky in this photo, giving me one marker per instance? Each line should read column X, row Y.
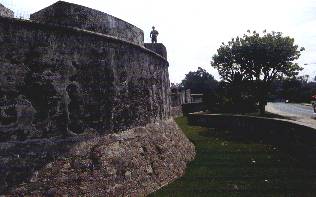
column 193, row 30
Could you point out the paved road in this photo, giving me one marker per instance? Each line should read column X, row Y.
column 299, row 113
column 290, row 109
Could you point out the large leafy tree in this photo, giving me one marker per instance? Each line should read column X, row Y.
column 297, row 89
column 199, row 81
column 257, row 60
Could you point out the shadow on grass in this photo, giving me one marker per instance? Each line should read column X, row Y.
column 270, row 115
column 301, row 154
column 231, row 162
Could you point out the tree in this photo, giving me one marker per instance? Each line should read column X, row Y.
column 295, row 89
column 199, row 81
column 258, row 60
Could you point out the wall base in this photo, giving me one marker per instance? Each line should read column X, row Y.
column 135, row 162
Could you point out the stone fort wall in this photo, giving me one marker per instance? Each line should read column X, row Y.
column 135, row 162
column 84, row 113
column 5, row 12
column 104, row 83
column 68, row 14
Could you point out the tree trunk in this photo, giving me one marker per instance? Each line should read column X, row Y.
column 262, row 92
column 262, row 107
column 262, row 103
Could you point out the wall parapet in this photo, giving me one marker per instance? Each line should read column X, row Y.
column 5, row 12
column 73, row 15
column 76, row 30
column 188, row 108
column 158, row 48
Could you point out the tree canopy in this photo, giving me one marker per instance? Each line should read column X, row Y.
column 258, row 60
column 296, row 89
column 199, row 81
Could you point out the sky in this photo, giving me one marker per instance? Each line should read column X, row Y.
column 192, row 30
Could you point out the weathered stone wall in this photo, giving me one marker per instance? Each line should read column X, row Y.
column 178, row 98
column 135, row 162
column 158, row 48
column 64, row 93
column 68, row 14
column 5, row 12
column 176, row 111
column 193, row 107
column 55, row 76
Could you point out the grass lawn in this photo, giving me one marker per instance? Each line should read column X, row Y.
column 225, row 166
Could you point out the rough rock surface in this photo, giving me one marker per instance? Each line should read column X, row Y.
column 176, row 111
column 65, row 91
column 58, row 77
column 69, row 14
column 134, row 162
column 158, row 48
column 5, row 12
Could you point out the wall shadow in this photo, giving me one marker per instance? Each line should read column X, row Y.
column 296, row 140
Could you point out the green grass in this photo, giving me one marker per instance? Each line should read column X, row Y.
column 225, row 166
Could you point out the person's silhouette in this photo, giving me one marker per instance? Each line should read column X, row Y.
column 153, row 35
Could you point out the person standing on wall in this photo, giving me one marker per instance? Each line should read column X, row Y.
column 153, row 35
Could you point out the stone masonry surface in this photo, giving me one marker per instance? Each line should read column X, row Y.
column 101, row 83
column 6, row 12
column 69, row 14
column 84, row 113
column 131, row 163
column 158, row 48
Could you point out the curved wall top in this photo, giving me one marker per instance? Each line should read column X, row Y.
column 158, row 48
column 5, row 12
column 68, row 14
